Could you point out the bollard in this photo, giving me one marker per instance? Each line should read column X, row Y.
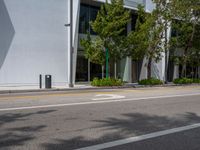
column 40, row 81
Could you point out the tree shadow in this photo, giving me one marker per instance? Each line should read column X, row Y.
column 18, row 136
column 12, row 117
column 137, row 123
column 132, row 124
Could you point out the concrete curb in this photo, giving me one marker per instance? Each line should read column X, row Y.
column 61, row 90
column 90, row 88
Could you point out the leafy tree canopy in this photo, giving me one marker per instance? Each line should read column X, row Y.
column 110, row 25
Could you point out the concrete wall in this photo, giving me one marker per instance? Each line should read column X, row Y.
column 149, row 6
column 33, row 41
column 7, row 32
column 132, row 4
column 76, row 14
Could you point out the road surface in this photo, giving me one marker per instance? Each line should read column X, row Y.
column 122, row 119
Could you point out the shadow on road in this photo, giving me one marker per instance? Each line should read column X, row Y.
column 142, row 123
column 132, row 124
column 19, row 135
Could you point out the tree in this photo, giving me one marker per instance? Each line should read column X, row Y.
column 109, row 25
column 146, row 40
column 94, row 51
column 163, row 8
column 186, row 25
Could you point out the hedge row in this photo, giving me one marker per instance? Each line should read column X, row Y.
column 186, row 81
column 152, row 81
column 107, row 82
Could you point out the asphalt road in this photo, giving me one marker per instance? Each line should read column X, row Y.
column 74, row 120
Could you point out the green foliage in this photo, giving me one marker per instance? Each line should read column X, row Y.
column 186, row 81
column 183, row 81
column 163, row 9
column 94, row 50
column 109, row 25
column 146, row 40
column 107, row 82
column 185, row 9
column 151, row 81
column 138, row 39
column 196, row 80
column 186, row 42
column 111, row 20
column 152, row 29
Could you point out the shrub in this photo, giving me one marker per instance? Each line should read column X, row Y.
column 183, row 81
column 107, row 82
column 152, row 81
column 196, row 80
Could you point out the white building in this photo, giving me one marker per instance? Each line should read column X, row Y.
column 34, row 40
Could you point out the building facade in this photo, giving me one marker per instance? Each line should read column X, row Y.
column 34, row 40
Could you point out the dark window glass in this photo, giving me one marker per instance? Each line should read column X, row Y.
column 84, row 19
column 133, row 21
column 87, row 13
column 93, row 15
column 81, row 69
column 173, row 32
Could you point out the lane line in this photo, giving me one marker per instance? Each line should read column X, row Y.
column 107, row 97
column 141, row 138
column 80, row 93
column 94, row 102
column 53, row 95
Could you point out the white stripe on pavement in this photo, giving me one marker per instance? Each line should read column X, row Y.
column 95, row 102
column 107, row 97
column 140, row 138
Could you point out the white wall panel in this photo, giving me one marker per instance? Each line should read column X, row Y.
column 40, row 42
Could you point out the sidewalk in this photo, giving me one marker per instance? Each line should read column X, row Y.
column 77, row 87
column 24, row 89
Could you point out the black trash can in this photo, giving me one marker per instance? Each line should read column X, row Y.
column 48, row 81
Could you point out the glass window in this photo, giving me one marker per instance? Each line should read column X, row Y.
column 87, row 13
column 84, row 19
column 81, row 69
column 93, row 15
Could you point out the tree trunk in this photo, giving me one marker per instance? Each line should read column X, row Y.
column 149, row 68
column 196, row 72
column 102, row 69
column 88, row 70
column 176, row 72
column 188, row 45
column 192, row 73
column 115, row 70
column 199, row 72
column 166, row 52
column 107, row 63
column 183, row 72
column 166, row 65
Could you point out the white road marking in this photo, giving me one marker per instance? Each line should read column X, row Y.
column 95, row 102
column 141, row 138
column 107, row 97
